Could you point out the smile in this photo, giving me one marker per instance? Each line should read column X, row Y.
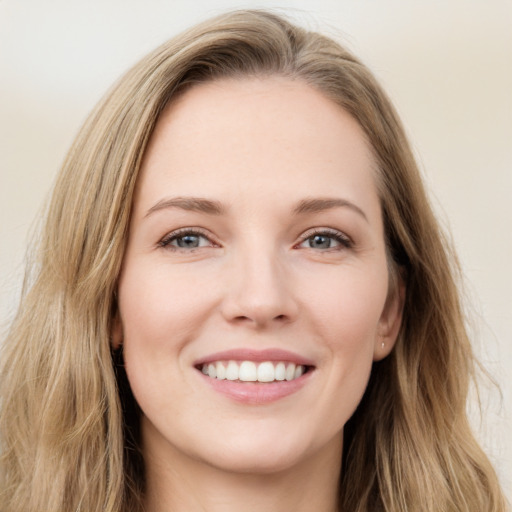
column 255, row 377
column 250, row 371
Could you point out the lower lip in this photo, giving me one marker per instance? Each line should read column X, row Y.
column 257, row 393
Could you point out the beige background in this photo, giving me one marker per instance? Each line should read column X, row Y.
column 447, row 65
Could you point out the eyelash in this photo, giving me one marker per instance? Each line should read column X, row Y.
column 181, row 233
column 344, row 241
column 340, row 237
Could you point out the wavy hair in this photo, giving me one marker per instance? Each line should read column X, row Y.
column 68, row 422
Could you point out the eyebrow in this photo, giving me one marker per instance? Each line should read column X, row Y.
column 316, row 205
column 212, row 207
column 195, row 204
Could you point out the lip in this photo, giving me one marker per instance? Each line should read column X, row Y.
column 256, row 393
column 258, row 356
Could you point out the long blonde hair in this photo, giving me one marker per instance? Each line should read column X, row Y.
column 68, row 421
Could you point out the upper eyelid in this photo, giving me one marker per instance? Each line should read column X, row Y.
column 327, row 231
column 321, row 229
column 169, row 237
column 206, row 234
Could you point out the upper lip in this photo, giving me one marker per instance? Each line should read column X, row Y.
column 244, row 354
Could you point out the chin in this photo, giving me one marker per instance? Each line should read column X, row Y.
column 269, row 454
column 253, row 462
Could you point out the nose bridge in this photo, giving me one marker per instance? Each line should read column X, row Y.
column 259, row 290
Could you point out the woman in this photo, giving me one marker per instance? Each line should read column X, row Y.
column 242, row 299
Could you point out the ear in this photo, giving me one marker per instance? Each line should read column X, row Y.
column 390, row 320
column 116, row 331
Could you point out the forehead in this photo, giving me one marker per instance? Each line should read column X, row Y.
column 243, row 137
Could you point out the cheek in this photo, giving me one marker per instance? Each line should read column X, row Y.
column 160, row 313
column 345, row 316
column 350, row 335
column 159, row 307
column 346, row 306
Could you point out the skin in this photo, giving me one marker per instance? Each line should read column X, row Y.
column 257, row 280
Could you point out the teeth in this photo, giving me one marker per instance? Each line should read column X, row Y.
column 266, row 372
column 231, row 371
column 212, row 370
column 280, row 371
column 248, row 371
column 221, row 371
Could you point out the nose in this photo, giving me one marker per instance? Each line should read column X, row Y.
column 258, row 292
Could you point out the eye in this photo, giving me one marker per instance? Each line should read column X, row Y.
column 325, row 239
column 185, row 239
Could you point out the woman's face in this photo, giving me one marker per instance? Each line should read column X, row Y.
column 254, row 291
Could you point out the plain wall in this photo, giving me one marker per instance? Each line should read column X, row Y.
column 446, row 64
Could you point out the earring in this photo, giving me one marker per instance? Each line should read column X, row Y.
column 382, row 345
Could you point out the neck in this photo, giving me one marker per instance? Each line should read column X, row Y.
column 181, row 484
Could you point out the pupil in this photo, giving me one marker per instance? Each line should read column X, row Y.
column 321, row 242
column 188, row 241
